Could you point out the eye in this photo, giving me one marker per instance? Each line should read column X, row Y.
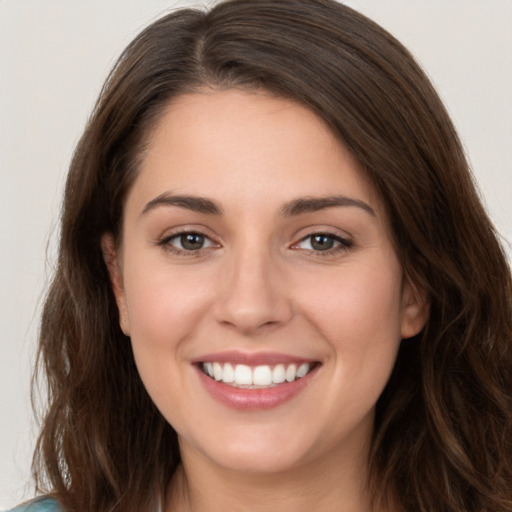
column 189, row 241
column 323, row 242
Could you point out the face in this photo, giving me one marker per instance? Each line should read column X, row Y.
column 259, row 285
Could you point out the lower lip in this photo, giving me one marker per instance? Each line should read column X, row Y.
column 255, row 399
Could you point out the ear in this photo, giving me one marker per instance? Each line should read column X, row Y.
column 113, row 264
column 415, row 309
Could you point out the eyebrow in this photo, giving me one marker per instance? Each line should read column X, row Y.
column 314, row 204
column 194, row 203
column 295, row 207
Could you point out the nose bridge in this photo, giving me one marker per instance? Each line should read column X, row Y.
column 252, row 292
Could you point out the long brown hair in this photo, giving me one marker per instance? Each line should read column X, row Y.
column 443, row 429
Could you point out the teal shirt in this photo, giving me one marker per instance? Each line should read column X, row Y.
column 39, row 505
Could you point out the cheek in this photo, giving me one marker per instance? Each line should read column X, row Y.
column 359, row 317
column 360, row 300
column 163, row 303
column 165, row 308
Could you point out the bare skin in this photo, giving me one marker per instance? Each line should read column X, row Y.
column 252, row 233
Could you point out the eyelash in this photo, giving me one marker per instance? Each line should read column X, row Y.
column 340, row 244
column 166, row 243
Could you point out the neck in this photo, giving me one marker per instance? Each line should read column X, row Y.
column 321, row 486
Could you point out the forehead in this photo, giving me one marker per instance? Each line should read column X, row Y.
column 246, row 145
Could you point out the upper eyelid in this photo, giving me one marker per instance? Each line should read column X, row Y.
column 176, row 231
column 187, row 232
column 166, row 244
column 299, row 236
column 303, row 233
column 171, row 236
column 165, row 241
column 343, row 240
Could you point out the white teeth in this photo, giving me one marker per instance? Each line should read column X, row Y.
column 302, row 370
column 279, row 374
column 262, row 375
column 243, row 375
column 291, row 372
column 228, row 374
column 217, row 371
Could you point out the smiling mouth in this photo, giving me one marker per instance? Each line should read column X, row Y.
column 256, row 377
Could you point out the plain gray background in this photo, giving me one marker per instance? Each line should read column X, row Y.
column 54, row 55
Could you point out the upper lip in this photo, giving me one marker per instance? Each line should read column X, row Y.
column 251, row 359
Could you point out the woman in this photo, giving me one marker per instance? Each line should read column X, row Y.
column 276, row 287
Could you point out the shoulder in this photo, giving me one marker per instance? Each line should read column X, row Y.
column 38, row 505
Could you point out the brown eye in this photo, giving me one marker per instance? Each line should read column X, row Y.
column 187, row 242
column 192, row 241
column 322, row 242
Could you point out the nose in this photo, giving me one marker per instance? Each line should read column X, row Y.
column 252, row 295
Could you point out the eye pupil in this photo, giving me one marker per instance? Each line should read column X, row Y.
column 322, row 242
column 192, row 241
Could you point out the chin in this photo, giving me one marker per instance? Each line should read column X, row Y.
column 259, row 453
column 263, row 463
